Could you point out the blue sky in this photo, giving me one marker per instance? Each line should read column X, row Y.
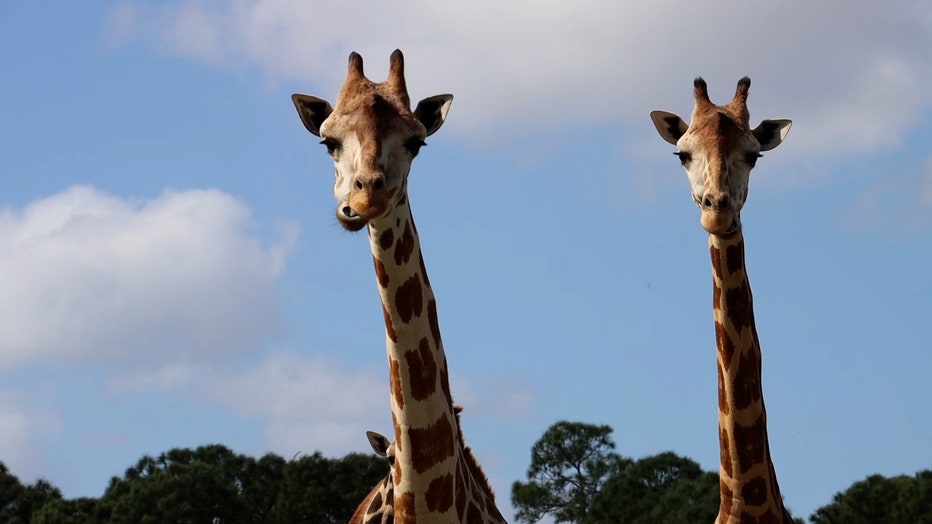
column 173, row 274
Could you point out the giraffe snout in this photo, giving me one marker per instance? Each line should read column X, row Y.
column 373, row 182
column 719, row 215
column 368, row 198
column 715, row 201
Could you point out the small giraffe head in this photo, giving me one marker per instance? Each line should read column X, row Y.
column 372, row 136
column 718, row 149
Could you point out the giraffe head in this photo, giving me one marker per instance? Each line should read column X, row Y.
column 372, row 136
column 718, row 149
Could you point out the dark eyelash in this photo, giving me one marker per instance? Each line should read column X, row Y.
column 684, row 156
column 414, row 145
column 332, row 145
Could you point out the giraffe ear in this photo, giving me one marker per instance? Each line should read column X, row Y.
column 670, row 126
column 432, row 111
column 770, row 133
column 379, row 443
column 312, row 110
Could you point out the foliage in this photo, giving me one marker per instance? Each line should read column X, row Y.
column 569, row 465
column 664, row 488
column 321, row 490
column 18, row 502
column 208, row 484
column 881, row 500
column 82, row 510
column 575, row 476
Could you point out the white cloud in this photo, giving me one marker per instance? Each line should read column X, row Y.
column 91, row 278
column 312, row 403
column 305, row 402
column 851, row 75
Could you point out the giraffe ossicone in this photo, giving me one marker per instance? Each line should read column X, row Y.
column 718, row 150
column 373, row 136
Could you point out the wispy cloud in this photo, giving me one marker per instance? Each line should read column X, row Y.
column 851, row 76
column 310, row 402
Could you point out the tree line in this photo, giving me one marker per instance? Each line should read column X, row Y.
column 575, row 476
column 210, row 484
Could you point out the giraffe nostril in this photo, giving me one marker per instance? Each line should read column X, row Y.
column 378, row 184
column 348, row 212
column 358, row 184
column 706, row 202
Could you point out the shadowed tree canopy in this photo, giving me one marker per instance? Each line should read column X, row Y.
column 18, row 502
column 661, row 489
column 575, row 476
column 881, row 500
column 569, row 464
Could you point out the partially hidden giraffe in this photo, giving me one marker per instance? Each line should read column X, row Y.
column 377, row 507
column 718, row 149
column 373, row 136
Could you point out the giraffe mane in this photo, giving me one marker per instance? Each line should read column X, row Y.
column 472, row 464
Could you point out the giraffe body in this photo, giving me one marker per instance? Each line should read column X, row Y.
column 377, row 507
column 373, row 136
column 718, row 150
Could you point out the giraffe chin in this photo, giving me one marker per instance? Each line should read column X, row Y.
column 359, row 210
column 354, row 223
column 720, row 223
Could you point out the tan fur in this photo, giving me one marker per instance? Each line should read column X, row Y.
column 373, row 136
column 718, row 150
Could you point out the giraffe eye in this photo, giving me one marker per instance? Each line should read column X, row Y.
column 332, row 145
column 751, row 159
column 414, row 145
column 684, row 156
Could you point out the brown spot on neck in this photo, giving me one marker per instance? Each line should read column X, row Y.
column 423, row 371
column 432, row 444
column 409, row 299
column 405, row 245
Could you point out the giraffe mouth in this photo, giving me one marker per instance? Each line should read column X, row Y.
column 735, row 224
column 721, row 223
column 349, row 219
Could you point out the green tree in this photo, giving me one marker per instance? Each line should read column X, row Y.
column 19, row 503
column 322, row 490
column 181, row 485
column 11, row 490
column 569, row 465
column 84, row 510
column 881, row 500
column 661, row 489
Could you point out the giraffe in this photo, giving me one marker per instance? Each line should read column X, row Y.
column 373, row 136
column 377, row 507
column 718, row 149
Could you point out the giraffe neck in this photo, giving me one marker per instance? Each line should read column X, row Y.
column 377, row 507
column 436, row 478
column 748, row 482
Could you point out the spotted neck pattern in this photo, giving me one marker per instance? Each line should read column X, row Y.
column 748, row 482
